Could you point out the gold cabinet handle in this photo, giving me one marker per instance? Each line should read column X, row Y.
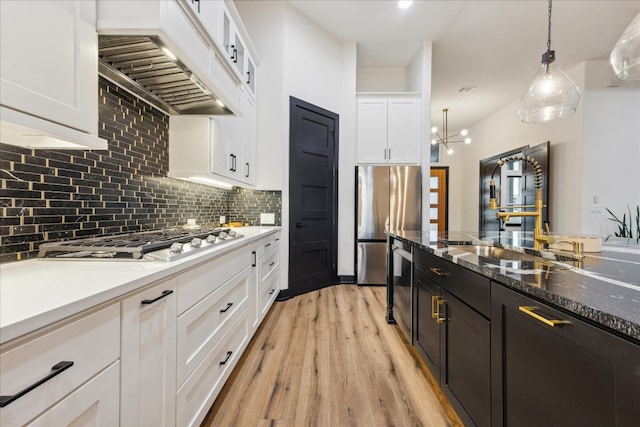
column 549, row 322
column 434, row 303
column 439, row 304
column 438, row 271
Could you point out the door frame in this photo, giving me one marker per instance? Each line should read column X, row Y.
column 294, row 103
column 446, row 200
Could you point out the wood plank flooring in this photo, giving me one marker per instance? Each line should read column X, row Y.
column 328, row 358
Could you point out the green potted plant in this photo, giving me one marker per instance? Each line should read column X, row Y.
column 627, row 230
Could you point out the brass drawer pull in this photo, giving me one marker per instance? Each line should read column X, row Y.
column 439, row 305
column 549, row 322
column 439, row 272
column 434, row 306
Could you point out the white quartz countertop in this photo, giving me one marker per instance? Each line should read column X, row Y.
column 36, row 293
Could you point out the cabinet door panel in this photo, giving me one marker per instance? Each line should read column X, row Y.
column 60, row 36
column 403, row 131
column 465, row 359
column 91, row 342
column 372, row 130
column 427, row 331
column 93, row 404
column 579, row 374
column 148, row 381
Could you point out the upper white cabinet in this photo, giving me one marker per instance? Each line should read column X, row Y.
column 188, row 29
column 217, row 150
column 388, row 130
column 49, row 74
column 237, row 45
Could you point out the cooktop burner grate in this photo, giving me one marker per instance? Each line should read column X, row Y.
column 160, row 244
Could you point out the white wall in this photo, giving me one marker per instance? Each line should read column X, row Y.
column 382, row 80
column 300, row 59
column 611, row 168
column 503, row 131
column 586, row 157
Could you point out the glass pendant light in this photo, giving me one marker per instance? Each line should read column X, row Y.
column 552, row 94
column 625, row 56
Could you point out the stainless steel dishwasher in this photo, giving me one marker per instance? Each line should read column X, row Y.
column 399, row 285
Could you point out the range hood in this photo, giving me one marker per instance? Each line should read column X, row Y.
column 145, row 67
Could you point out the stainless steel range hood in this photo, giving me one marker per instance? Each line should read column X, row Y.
column 143, row 65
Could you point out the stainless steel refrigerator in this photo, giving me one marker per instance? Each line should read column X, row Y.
column 387, row 197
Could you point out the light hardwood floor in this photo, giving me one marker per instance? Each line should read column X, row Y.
column 328, row 358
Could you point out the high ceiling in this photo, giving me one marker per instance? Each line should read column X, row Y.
column 494, row 45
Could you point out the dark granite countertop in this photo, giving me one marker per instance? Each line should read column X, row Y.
column 603, row 288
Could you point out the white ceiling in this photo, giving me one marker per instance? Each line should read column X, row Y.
column 494, row 45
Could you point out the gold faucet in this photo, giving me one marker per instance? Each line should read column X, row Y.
column 539, row 238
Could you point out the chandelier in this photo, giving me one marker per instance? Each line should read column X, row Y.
column 444, row 138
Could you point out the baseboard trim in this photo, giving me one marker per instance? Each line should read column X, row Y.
column 347, row 280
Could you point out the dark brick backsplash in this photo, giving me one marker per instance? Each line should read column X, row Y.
column 48, row 195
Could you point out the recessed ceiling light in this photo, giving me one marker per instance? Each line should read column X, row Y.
column 466, row 89
column 404, row 4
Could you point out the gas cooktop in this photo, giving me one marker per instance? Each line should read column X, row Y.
column 155, row 245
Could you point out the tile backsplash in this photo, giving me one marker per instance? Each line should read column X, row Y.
column 49, row 195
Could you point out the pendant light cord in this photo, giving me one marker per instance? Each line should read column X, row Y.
column 549, row 30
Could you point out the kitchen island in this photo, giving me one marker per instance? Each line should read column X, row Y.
column 603, row 288
column 506, row 330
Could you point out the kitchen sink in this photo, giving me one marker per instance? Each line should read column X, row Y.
column 497, row 252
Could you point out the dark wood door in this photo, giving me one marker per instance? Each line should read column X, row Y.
column 573, row 374
column 313, row 209
column 465, row 362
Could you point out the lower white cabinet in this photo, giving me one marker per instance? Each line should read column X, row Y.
column 197, row 394
column 148, row 363
column 155, row 357
column 268, row 283
column 93, row 404
column 73, row 367
column 200, row 328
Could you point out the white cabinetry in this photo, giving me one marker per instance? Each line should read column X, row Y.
column 179, row 26
column 148, row 380
column 388, row 130
column 159, row 356
column 56, row 108
column 216, row 305
column 206, row 149
column 237, row 45
column 268, row 274
column 75, row 368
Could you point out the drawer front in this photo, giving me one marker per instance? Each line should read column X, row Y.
column 95, row 403
column 91, row 343
column 200, row 327
column 471, row 288
column 269, row 244
column 198, row 282
column 269, row 265
column 195, row 397
column 268, row 294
